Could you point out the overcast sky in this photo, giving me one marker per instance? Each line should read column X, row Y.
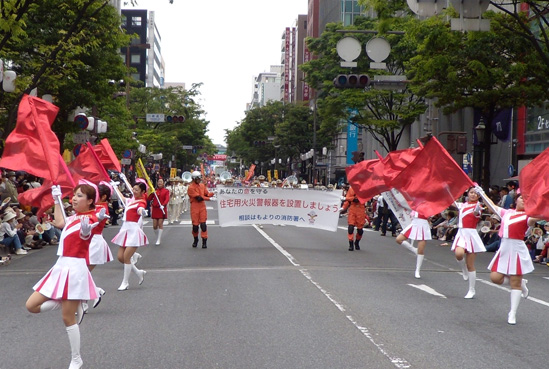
column 223, row 44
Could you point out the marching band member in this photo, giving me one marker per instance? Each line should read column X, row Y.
column 467, row 242
column 131, row 235
column 419, row 230
column 69, row 281
column 512, row 260
column 159, row 204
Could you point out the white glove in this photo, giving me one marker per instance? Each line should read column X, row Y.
column 478, row 208
column 115, row 184
column 122, row 176
column 143, row 212
column 85, row 228
column 479, row 190
column 56, row 193
column 161, row 207
column 102, row 214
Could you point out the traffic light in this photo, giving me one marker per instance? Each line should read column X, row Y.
column 352, row 81
column 259, row 143
column 175, row 118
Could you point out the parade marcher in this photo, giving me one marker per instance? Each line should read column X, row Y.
column 131, row 235
column 198, row 193
column 159, row 205
column 467, row 242
column 420, row 231
column 512, row 260
column 173, row 203
column 356, row 218
column 69, row 281
column 100, row 252
column 184, row 197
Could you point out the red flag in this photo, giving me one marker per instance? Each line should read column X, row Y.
column 107, row 156
column 396, row 161
column 41, row 197
column 32, row 146
column 534, row 186
column 250, row 173
column 432, row 181
column 366, row 179
column 86, row 166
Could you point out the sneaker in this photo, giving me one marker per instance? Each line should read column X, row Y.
column 20, row 252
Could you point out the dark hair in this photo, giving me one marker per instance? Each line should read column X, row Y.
column 104, row 190
column 141, row 186
column 89, row 191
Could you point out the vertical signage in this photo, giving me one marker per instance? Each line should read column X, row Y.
column 293, row 74
column 306, row 58
column 287, row 65
column 352, row 136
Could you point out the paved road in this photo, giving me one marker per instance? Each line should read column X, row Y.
column 279, row 297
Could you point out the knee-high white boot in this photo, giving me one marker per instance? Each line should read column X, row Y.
column 472, row 281
column 125, row 282
column 50, row 305
column 159, row 236
column 525, row 290
column 463, row 267
column 409, row 246
column 73, row 332
column 139, row 272
column 135, row 258
column 515, row 301
column 419, row 261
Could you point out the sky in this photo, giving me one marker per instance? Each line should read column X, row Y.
column 224, row 45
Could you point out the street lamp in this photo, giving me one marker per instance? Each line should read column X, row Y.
column 140, row 46
column 479, row 151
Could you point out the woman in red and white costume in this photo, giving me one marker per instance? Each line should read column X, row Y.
column 467, row 242
column 100, row 252
column 512, row 260
column 159, row 208
column 419, row 230
column 69, row 281
column 131, row 235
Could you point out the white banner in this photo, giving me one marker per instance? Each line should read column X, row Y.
column 399, row 206
column 301, row 208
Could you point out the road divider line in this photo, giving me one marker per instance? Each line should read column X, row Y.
column 427, row 289
column 398, row 362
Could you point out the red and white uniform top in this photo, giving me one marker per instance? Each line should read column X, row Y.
column 71, row 244
column 467, row 217
column 101, row 225
column 514, row 224
column 131, row 214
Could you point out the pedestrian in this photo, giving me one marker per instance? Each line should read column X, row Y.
column 388, row 215
column 131, row 235
column 159, row 205
column 356, row 218
column 512, row 260
column 100, row 252
column 69, row 281
column 420, row 231
column 467, row 242
column 198, row 193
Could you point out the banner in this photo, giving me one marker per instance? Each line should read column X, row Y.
column 265, row 205
column 250, row 173
column 142, row 173
column 399, row 206
column 173, row 172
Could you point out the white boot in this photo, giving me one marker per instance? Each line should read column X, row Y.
column 125, row 284
column 463, row 267
column 140, row 273
column 50, row 305
column 409, row 246
column 419, row 261
column 74, row 340
column 135, row 258
column 159, row 236
column 100, row 292
column 515, row 301
column 472, row 280
column 524, row 291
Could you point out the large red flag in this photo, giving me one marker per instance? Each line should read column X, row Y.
column 107, row 156
column 32, row 146
column 366, row 179
column 432, row 181
column 534, row 186
column 396, row 161
column 87, row 166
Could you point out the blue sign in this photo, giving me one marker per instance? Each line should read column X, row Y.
column 127, row 154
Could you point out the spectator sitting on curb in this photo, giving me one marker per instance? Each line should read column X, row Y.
column 8, row 233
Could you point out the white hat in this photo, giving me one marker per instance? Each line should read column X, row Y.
column 8, row 216
column 196, row 174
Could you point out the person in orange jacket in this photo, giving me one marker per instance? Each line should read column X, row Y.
column 198, row 193
column 356, row 218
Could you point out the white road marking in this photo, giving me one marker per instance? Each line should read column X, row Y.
column 188, row 222
column 398, row 362
column 427, row 289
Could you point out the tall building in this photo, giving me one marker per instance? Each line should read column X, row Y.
column 145, row 52
column 266, row 87
column 293, row 54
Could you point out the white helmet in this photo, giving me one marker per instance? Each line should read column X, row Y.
column 196, row 174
